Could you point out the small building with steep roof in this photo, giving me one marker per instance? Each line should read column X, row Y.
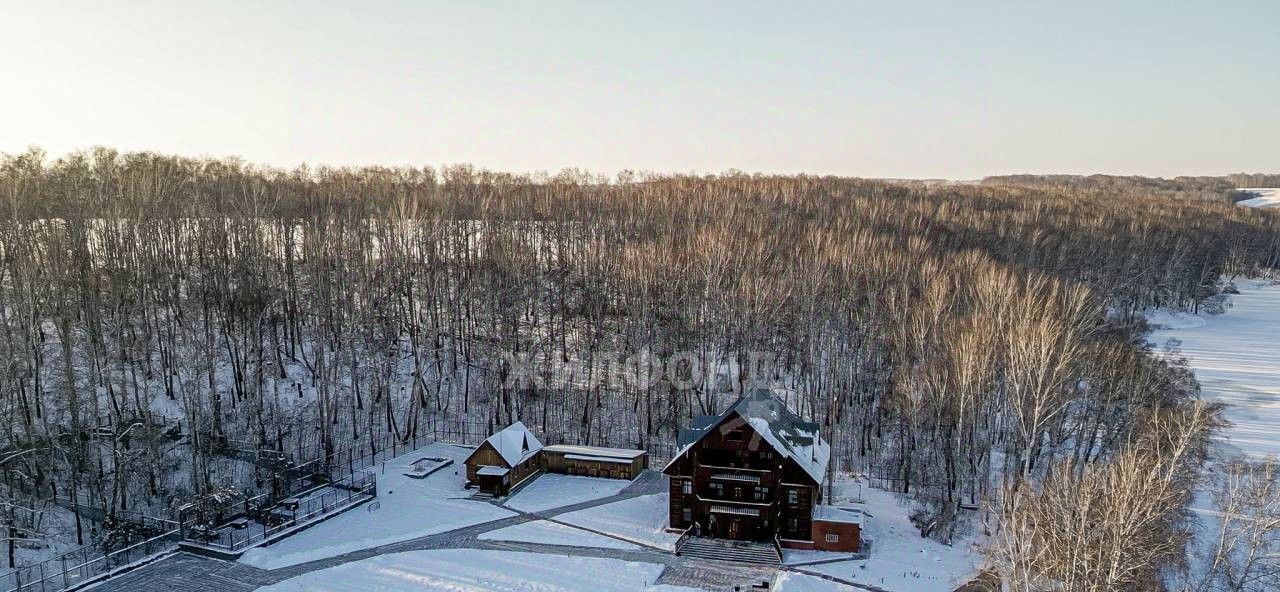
column 504, row 460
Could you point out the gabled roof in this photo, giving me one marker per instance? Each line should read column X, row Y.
column 699, row 425
column 785, row 431
column 515, row 443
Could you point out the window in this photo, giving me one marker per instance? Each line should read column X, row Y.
column 793, row 497
column 686, row 515
column 717, row 489
column 686, row 487
column 793, row 524
column 833, row 537
column 734, row 436
column 762, row 493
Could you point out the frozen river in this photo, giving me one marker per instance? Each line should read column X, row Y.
column 1236, row 357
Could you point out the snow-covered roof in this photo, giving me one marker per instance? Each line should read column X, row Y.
column 623, row 453
column 515, row 443
column 824, row 513
column 495, row 471
column 785, row 431
column 607, row 459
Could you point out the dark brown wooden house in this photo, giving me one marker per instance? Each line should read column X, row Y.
column 755, row 473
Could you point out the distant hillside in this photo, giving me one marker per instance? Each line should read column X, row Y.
column 1211, row 188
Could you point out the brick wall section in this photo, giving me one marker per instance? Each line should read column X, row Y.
column 849, row 536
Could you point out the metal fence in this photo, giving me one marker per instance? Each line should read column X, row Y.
column 82, row 566
column 336, row 497
column 360, row 455
column 889, row 477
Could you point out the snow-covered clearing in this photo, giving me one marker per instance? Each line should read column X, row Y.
column 471, row 570
column 1264, row 197
column 408, row 508
column 1236, row 358
column 553, row 491
column 900, row 560
column 551, row 533
column 640, row 519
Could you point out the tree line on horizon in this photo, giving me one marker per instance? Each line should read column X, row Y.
column 963, row 345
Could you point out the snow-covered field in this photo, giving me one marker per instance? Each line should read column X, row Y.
column 551, row 533
column 407, row 508
column 901, row 560
column 471, row 570
column 640, row 519
column 553, row 491
column 1236, row 358
column 1266, row 197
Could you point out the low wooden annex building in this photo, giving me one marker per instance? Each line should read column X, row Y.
column 594, row 461
column 504, row 460
column 512, row 456
column 755, row 473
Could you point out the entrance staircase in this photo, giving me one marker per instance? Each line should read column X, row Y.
column 728, row 550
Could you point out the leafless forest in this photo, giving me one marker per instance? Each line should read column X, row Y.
column 971, row 345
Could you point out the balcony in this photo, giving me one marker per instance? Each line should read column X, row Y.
column 736, row 475
column 711, row 498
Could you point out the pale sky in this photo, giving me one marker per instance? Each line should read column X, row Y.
column 875, row 89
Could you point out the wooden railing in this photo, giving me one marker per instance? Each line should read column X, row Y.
column 684, row 536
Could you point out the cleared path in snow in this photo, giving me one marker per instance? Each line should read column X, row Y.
column 199, row 574
column 190, row 573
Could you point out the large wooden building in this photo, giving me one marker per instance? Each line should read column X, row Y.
column 755, row 473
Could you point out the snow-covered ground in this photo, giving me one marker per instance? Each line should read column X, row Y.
column 640, row 519
column 901, row 560
column 551, row 533
column 1266, row 197
column 801, row 557
column 1236, row 358
column 471, row 570
column 408, row 508
column 58, row 536
column 553, row 491
column 797, row 582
